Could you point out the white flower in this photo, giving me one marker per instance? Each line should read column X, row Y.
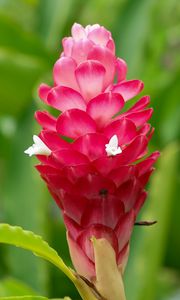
column 38, row 148
column 112, row 148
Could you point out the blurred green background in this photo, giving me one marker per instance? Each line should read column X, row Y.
column 147, row 36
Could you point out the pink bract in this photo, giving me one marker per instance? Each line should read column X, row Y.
column 99, row 194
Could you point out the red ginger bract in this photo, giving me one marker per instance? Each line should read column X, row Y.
column 96, row 179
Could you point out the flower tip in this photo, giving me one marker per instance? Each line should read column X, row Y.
column 141, row 85
column 76, row 24
column 78, row 31
column 43, row 91
column 28, row 151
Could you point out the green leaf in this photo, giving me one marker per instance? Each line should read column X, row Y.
column 30, row 298
column 24, row 298
column 150, row 243
column 16, row 236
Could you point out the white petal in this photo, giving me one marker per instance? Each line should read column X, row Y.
column 38, row 148
column 112, row 147
column 114, row 141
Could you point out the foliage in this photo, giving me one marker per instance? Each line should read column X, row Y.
column 16, row 236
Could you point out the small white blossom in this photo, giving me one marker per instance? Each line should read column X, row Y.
column 38, row 148
column 112, row 148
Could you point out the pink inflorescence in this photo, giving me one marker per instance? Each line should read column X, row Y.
column 96, row 179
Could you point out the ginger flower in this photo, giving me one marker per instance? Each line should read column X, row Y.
column 98, row 179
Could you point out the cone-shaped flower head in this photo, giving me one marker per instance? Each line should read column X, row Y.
column 98, row 179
